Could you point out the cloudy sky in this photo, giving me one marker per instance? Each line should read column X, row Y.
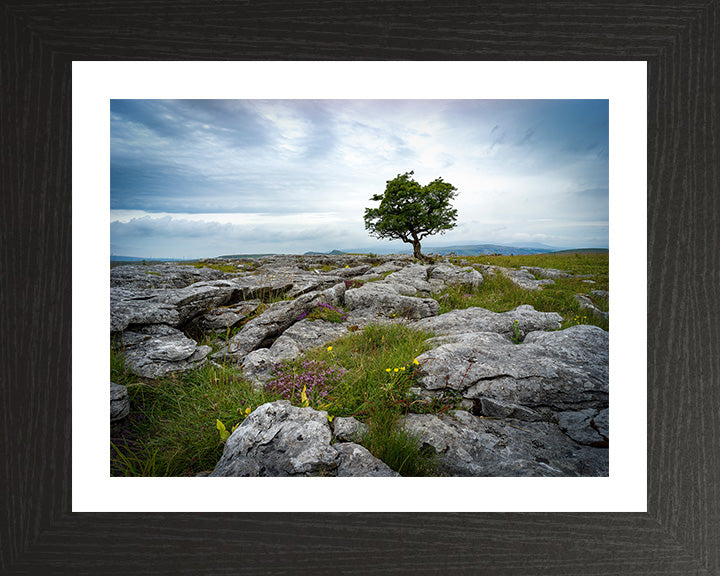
column 203, row 178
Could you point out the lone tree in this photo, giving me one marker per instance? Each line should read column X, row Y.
column 410, row 212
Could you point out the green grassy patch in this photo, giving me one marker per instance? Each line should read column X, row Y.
column 173, row 422
column 323, row 311
column 118, row 370
column 499, row 294
column 215, row 266
column 573, row 262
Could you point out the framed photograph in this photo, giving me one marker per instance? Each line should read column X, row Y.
column 655, row 512
column 539, row 150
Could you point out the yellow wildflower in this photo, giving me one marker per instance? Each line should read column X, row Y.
column 304, row 398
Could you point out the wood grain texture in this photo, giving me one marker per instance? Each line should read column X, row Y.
column 680, row 534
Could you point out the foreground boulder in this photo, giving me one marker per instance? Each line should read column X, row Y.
column 466, row 445
column 279, row 439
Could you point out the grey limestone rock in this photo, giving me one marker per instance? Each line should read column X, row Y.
column 466, row 445
column 546, row 272
column 262, row 331
column 309, row 334
column 481, row 320
column 119, row 402
column 350, row 272
column 524, row 279
column 279, row 439
column 412, row 280
column 220, row 319
column 356, row 460
column 585, row 426
column 446, row 275
column 134, row 276
column 174, row 306
column 391, row 266
column 587, row 304
column 549, row 372
column 257, row 366
column 348, row 429
column 300, row 337
column 138, row 307
column 384, row 298
column 156, row 350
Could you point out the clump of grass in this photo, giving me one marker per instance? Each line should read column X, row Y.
column 174, row 421
column 399, row 449
column 324, row 311
column 215, row 266
column 119, row 372
column 325, row 267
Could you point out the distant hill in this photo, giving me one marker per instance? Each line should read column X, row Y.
column 246, row 255
column 333, row 253
column 460, row 250
column 483, row 249
column 583, row 250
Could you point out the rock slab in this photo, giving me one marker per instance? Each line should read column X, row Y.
column 279, row 439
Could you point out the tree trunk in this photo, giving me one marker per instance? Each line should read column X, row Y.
column 416, row 250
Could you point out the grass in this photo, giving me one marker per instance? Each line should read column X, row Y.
column 173, row 422
column 499, row 294
column 573, row 262
column 229, row 267
column 323, row 311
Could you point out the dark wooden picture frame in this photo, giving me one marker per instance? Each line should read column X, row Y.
column 680, row 533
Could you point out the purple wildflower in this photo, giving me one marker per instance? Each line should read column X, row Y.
column 317, row 377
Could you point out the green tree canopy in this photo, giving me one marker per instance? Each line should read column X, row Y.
column 410, row 212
